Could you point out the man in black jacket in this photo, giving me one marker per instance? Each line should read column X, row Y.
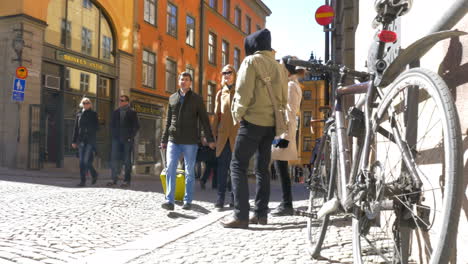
column 181, row 136
column 124, row 126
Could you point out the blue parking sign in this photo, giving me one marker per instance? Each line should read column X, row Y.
column 17, row 96
column 19, row 85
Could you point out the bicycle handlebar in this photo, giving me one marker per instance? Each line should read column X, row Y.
column 329, row 67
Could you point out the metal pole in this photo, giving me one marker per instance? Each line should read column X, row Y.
column 451, row 17
column 326, row 29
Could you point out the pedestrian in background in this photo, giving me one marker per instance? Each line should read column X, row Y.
column 124, row 127
column 253, row 108
column 281, row 156
column 84, row 138
column 225, row 132
column 181, row 136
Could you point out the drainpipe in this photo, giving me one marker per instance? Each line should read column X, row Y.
column 201, row 54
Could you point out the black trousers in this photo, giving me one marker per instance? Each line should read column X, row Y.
column 251, row 139
column 281, row 167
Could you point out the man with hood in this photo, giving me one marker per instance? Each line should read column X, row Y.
column 253, row 109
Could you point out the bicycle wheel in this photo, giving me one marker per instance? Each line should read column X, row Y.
column 322, row 186
column 417, row 132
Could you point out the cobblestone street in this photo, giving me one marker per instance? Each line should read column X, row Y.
column 47, row 220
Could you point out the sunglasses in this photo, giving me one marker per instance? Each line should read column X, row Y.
column 227, row 73
column 86, row 103
column 121, row 100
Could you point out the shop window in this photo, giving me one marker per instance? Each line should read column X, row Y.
column 307, row 144
column 226, row 8
column 171, row 76
column 104, row 87
column 224, row 53
column 210, row 98
column 212, row 48
column 148, row 68
column 80, row 82
column 307, row 95
column 146, row 148
column 237, row 17
column 307, row 117
column 150, row 12
column 248, row 25
column 65, row 36
column 172, row 20
column 86, row 41
column 190, row 31
column 236, row 58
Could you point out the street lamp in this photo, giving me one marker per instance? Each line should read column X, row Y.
column 18, row 45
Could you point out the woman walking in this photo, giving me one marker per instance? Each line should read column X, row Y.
column 84, row 138
column 224, row 130
column 285, row 149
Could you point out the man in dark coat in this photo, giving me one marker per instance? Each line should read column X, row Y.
column 124, row 127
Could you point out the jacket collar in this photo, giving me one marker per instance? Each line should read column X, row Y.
column 267, row 53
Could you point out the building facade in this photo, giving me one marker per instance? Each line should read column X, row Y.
column 102, row 49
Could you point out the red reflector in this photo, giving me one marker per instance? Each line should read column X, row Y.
column 387, row 36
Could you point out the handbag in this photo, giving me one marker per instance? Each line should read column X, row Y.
column 205, row 153
column 280, row 113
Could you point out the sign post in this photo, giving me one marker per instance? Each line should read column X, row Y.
column 19, row 85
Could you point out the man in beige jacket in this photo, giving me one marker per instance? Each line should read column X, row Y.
column 253, row 109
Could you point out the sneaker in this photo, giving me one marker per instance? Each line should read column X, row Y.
column 282, row 211
column 81, row 184
column 111, row 183
column 263, row 220
column 125, row 184
column 168, row 206
column 187, row 206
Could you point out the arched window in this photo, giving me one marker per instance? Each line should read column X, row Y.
column 80, row 26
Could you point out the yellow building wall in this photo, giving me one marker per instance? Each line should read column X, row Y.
column 120, row 13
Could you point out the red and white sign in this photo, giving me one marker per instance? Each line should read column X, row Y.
column 324, row 15
column 21, row 72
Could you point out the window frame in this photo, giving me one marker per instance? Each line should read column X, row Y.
column 226, row 12
column 248, row 25
column 305, row 140
column 147, row 4
column 151, row 84
column 174, row 62
column 212, row 47
column 187, row 30
column 306, row 121
column 224, row 52
column 236, row 59
column 215, row 6
column 238, row 17
column 307, row 95
column 210, row 97
column 169, row 16
column 86, row 43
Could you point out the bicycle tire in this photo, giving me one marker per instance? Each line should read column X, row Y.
column 422, row 225
column 321, row 189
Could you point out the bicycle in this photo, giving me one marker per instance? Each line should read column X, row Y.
column 406, row 141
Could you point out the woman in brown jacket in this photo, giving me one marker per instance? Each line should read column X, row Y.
column 224, row 130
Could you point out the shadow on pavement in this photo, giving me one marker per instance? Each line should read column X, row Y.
column 179, row 215
column 273, row 228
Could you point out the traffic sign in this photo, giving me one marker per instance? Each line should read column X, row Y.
column 19, row 85
column 17, row 96
column 21, row 72
column 324, row 15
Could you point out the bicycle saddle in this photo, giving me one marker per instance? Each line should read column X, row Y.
column 392, row 7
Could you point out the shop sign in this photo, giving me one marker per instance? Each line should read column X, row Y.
column 147, row 108
column 86, row 63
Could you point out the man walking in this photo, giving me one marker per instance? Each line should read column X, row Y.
column 124, row 126
column 181, row 136
column 253, row 108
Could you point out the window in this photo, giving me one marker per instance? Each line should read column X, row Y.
column 192, row 73
column 307, row 117
column 307, row 146
column 172, row 20
column 171, row 75
column 86, row 41
column 214, row 4
column 65, row 36
column 212, row 48
column 237, row 17
column 226, row 8
column 84, row 82
column 248, row 22
column 307, row 95
column 236, row 58
column 190, row 31
column 210, row 98
column 148, row 69
column 150, row 12
column 104, row 87
column 106, row 47
column 224, row 53
column 87, row 4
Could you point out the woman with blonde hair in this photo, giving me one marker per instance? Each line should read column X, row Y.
column 84, row 138
column 224, row 130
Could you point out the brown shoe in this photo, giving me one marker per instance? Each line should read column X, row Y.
column 255, row 220
column 235, row 223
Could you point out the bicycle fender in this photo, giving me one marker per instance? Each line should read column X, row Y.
column 415, row 51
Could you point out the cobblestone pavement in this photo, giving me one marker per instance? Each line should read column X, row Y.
column 47, row 220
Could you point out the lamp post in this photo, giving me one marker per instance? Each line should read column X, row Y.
column 18, row 46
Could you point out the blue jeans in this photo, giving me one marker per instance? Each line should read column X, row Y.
column 86, row 155
column 121, row 153
column 190, row 157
